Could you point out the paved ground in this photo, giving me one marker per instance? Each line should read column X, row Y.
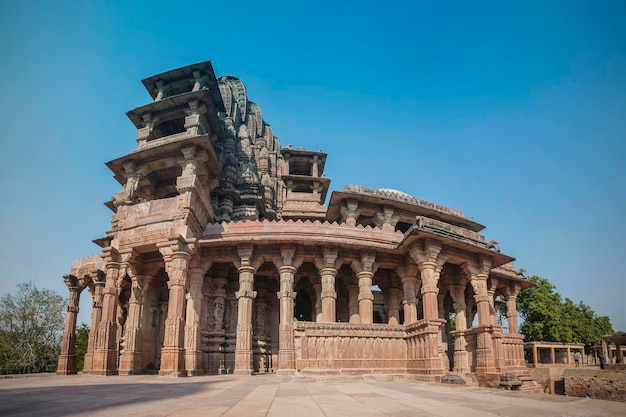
column 276, row 396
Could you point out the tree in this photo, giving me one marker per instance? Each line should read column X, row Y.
column 82, row 340
column 547, row 317
column 31, row 327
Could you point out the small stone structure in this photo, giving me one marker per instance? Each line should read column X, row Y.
column 550, row 354
column 222, row 257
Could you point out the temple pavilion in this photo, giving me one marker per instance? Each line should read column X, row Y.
column 224, row 256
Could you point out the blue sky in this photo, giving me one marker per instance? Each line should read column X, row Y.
column 513, row 113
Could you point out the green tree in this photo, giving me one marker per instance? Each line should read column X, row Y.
column 547, row 317
column 82, row 340
column 31, row 327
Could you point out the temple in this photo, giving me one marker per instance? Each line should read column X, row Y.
column 224, row 257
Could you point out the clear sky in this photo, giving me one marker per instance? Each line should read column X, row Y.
column 514, row 113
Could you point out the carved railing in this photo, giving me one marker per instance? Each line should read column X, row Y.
column 337, row 346
column 449, row 230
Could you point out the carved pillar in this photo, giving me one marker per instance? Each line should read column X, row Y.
column 410, row 283
column 216, row 322
column 105, row 354
column 260, row 339
column 511, row 308
column 477, row 273
column 317, row 287
column 193, row 335
column 131, row 354
column 287, row 265
column 243, row 348
column 245, row 295
column 392, row 296
column 353, row 303
column 98, row 280
column 491, row 292
column 327, row 266
column 365, row 269
column 173, row 351
column 67, row 358
column 457, row 292
column 429, row 261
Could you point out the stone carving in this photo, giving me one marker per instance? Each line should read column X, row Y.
column 493, row 245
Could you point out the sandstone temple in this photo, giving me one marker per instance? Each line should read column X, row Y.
column 224, row 256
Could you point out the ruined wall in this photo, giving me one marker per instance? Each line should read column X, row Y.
column 598, row 384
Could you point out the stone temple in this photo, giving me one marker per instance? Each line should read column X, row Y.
column 224, row 257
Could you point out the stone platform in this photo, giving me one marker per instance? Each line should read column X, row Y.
column 275, row 396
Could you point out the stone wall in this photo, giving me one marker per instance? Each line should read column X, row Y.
column 598, row 384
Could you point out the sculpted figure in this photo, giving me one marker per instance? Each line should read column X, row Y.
column 493, row 245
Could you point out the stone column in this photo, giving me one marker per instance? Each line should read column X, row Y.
column 98, row 280
column 287, row 264
column 392, row 296
column 429, row 261
column 173, row 351
column 105, row 354
column 410, row 284
column 245, row 295
column 67, row 358
column 246, row 267
column 216, row 321
column 317, row 287
column 131, row 353
column 260, row 339
column 327, row 266
column 457, row 292
column 511, row 308
column 478, row 273
column 353, row 303
column 491, row 292
column 365, row 269
column 193, row 335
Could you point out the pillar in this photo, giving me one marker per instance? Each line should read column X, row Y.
column 260, row 338
column 327, row 265
column 287, row 263
column 67, row 358
column 430, row 260
column 365, row 269
column 392, row 296
column 243, row 346
column 105, row 354
column 131, row 353
column 477, row 272
column 461, row 363
column 317, row 287
column 410, row 283
column 286, row 297
column 511, row 313
column 193, row 335
column 353, row 303
column 216, row 322
column 173, row 351
column 98, row 280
